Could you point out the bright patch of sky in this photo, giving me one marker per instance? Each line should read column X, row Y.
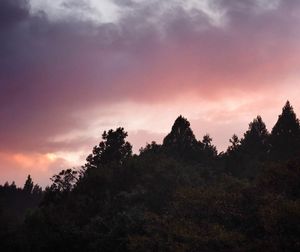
column 110, row 11
column 106, row 11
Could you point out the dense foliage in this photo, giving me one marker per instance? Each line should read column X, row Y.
column 178, row 196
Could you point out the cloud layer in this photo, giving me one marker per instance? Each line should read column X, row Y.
column 78, row 67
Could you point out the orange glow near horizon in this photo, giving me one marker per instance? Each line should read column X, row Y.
column 220, row 119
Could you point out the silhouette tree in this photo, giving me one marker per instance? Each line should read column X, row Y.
column 181, row 141
column 244, row 156
column 152, row 148
column 181, row 134
column 209, row 149
column 113, row 148
column 285, row 134
column 233, row 158
column 64, row 181
column 255, row 141
column 28, row 186
column 160, row 201
column 235, row 143
column 37, row 190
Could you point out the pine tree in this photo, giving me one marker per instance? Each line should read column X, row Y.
column 181, row 141
column 285, row 134
column 243, row 157
column 28, row 186
column 255, row 141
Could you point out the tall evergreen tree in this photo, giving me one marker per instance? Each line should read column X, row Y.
column 28, row 186
column 255, row 141
column 181, row 141
column 244, row 156
column 285, row 134
column 181, row 134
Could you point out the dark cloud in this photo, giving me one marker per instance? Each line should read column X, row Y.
column 12, row 12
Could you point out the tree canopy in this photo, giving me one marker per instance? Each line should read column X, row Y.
column 181, row 195
column 113, row 148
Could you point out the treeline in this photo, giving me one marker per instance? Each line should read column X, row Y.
column 14, row 203
column 178, row 196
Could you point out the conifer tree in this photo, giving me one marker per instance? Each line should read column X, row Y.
column 28, row 186
column 285, row 134
column 181, row 134
column 181, row 141
column 255, row 141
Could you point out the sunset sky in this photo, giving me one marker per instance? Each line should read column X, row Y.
column 70, row 69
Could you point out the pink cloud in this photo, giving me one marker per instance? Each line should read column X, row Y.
column 173, row 59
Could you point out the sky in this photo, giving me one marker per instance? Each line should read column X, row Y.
column 70, row 69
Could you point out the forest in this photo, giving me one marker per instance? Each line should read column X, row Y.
column 181, row 195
